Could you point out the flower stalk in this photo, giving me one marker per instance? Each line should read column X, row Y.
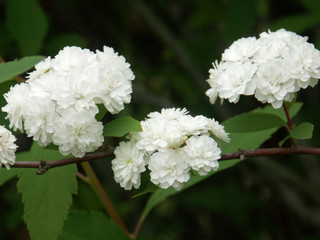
column 287, row 116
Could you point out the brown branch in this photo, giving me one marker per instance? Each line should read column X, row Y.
column 44, row 166
column 241, row 154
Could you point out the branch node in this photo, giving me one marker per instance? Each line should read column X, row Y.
column 43, row 167
column 242, row 154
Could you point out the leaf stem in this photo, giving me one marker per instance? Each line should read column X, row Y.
column 103, row 196
column 288, row 116
column 138, row 227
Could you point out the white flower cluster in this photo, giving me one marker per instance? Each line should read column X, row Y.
column 59, row 101
column 170, row 144
column 7, row 148
column 272, row 68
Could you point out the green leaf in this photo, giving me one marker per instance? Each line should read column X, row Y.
column 101, row 113
column 293, row 110
column 121, row 126
column 47, row 197
column 252, row 122
column 91, row 226
column 150, row 188
column 27, row 24
column 11, row 69
column 302, row 131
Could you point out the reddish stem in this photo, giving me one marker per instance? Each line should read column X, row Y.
column 288, row 116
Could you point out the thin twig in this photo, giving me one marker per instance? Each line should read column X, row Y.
column 103, row 196
column 65, row 161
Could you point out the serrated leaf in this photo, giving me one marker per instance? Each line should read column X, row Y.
column 91, row 226
column 252, row 122
column 27, row 24
column 47, row 197
column 302, row 131
column 11, row 69
column 121, row 126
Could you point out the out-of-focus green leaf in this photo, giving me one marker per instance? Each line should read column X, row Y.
column 121, row 126
column 11, row 69
column 47, row 197
column 91, row 226
column 297, row 23
column 302, row 131
column 28, row 24
column 311, row 5
column 252, row 122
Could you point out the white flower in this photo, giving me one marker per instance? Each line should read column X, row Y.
column 152, row 137
column 169, row 168
column 193, row 125
column 15, row 105
column 41, row 68
column 272, row 68
column 40, row 118
column 127, row 165
column 217, row 130
column 241, row 50
column 169, row 113
column 76, row 90
column 7, row 148
column 274, row 84
column 77, row 133
column 71, row 59
column 231, row 80
column 203, row 154
column 304, row 63
column 115, row 78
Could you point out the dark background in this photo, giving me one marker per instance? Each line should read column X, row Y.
column 170, row 46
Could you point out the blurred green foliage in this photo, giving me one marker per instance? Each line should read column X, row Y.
column 170, row 46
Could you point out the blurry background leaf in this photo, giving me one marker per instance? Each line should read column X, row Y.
column 28, row 24
column 297, row 23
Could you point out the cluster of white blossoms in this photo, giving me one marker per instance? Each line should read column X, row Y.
column 58, row 102
column 170, row 144
column 7, row 148
column 272, row 68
